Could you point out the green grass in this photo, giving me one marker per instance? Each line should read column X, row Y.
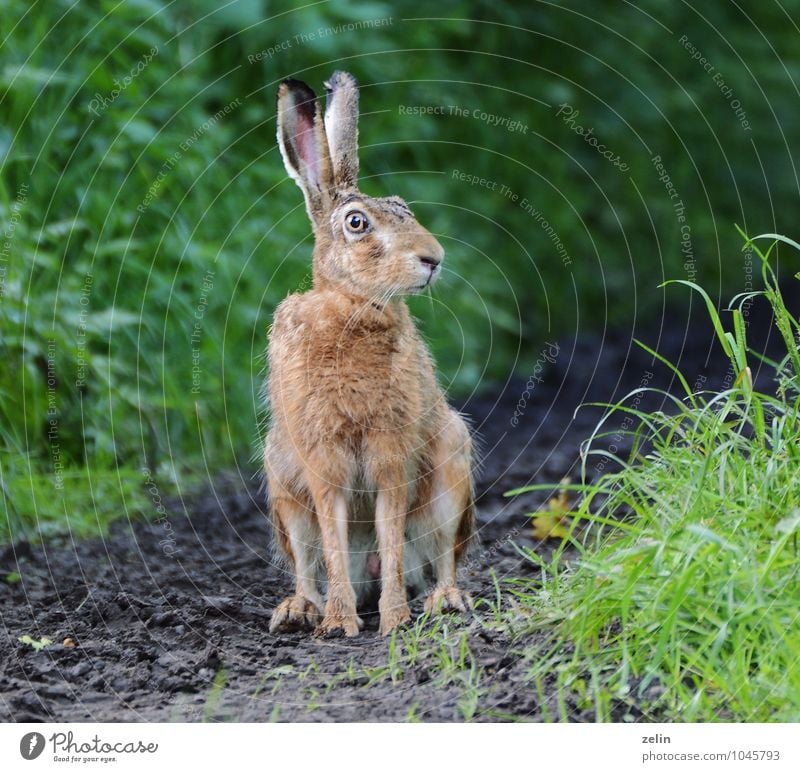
column 683, row 602
column 80, row 509
column 99, row 299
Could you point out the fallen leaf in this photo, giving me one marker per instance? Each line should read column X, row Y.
column 548, row 526
column 551, row 524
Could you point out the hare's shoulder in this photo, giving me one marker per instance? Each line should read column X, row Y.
column 302, row 320
column 291, row 316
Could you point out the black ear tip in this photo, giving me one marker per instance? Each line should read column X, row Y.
column 303, row 93
column 294, row 83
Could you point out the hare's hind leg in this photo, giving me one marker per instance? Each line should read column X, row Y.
column 297, row 536
column 447, row 521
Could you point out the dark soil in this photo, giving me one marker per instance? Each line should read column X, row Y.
column 184, row 636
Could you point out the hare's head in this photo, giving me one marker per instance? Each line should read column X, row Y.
column 372, row 247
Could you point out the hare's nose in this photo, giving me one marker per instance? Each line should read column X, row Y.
column 431, row 262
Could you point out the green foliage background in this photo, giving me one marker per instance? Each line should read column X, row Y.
column 89, row 281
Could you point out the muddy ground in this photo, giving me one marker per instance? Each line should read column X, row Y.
column 185, row 636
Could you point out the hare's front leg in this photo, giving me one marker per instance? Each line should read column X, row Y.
column 451, row 511
column 390, row 522
column 340, row 607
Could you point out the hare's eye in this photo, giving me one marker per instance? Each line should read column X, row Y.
column 356, row 222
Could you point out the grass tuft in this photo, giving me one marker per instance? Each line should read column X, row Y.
column 683, row 604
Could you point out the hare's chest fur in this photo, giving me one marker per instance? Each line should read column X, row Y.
column 347, row 369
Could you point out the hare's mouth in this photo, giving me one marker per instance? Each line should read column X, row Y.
column 427, row 283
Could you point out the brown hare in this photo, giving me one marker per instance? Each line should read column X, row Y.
column 368, row 468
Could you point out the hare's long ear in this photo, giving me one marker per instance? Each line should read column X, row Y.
column 341, row 126
column 304, row 147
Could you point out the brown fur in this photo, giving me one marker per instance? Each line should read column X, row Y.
column 362, row 444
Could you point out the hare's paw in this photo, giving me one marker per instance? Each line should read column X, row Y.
column 295, row 613
column 339, row 625
column 393, row 616
column 444, row 599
